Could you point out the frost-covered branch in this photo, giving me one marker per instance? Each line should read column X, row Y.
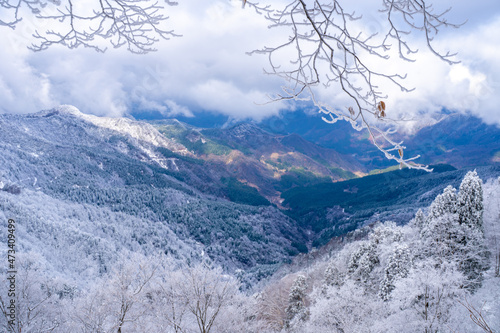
column 135, row 24
column 476, row 316
column 325, row 49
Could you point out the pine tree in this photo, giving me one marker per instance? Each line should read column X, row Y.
column 440, row 231
column 453, row 230
column 440, row 237
column 398, row 266
column 333, row 276
column 363, row 261
column 296, row 309
column 470, row 200
column 419, row 220
column 470, row 216
column 444, row 203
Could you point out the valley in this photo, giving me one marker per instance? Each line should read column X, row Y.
column 88, row 192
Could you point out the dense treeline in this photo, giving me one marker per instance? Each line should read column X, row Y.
column 411, row 278
column 128, row 174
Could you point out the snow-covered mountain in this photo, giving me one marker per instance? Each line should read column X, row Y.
column 202, row 190
column 120, row 226
column 456, row 139
column 100, row 186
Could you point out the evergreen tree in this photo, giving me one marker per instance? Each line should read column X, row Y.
column 473, row 259
column 440, row 237
column 296, row 310
column 444, row 203
column 472, row 242
column 363, row 261
column 419, row 220
column 398, row 266
column 470, row 200
column 453, row 230
column 333, row 275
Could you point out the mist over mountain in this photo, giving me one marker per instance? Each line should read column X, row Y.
column 456, row 139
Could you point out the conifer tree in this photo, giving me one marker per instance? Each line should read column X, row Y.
column 453, row 230
column 333, row 275
column 296, row 309
column 472, row 242
column 470, row 200
column 398, row 266
column 362, row 261
column 419, row 220
column 440, row 237
column 444, row 203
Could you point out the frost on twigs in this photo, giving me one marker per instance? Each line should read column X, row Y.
column 326, row 54
column 135, row 24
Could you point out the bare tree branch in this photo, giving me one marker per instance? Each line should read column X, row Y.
column 324, row 51
column 134, row 24
column 476, row 316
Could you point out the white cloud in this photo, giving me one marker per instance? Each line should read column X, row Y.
column 228, row 99
column 479, row 73
column 22, row 88
column 174, row 109
column 472, row 86
column 208, row 69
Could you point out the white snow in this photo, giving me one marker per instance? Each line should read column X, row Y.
column 137, row 130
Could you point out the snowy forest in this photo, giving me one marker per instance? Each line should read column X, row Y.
column 438, row 273
column 353, row 188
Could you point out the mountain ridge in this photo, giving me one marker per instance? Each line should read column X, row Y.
column 75, row 164
column 217, row 192
column 439, row 141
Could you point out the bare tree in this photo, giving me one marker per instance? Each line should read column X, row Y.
column 476, row 316
column 206, row 292
column 119, row 302
column 131, row 286
column 36, row 299
column 272, row 304
column 326, row 49
column 171, row 306
column 134, row 24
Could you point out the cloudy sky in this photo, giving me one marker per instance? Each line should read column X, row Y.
column 208, row 68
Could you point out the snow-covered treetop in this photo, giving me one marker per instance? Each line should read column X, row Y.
column 470, row 200
column 444, row 203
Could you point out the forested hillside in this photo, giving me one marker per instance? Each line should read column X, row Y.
column 119, row 184
column 122, row 226
column 428, row 276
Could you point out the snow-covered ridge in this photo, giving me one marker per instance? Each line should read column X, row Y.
column 68, row 109
column 135, row 129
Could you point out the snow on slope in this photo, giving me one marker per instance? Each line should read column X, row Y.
column 142, row 135
column 81, row 241
column 90, row 191
column 137, row 130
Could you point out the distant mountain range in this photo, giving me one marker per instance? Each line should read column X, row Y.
column 269, row 163
column 250, row 196
column 459, row 140
column 456, row 139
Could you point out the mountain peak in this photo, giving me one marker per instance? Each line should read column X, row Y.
column 68, row 109
column 59, row 110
